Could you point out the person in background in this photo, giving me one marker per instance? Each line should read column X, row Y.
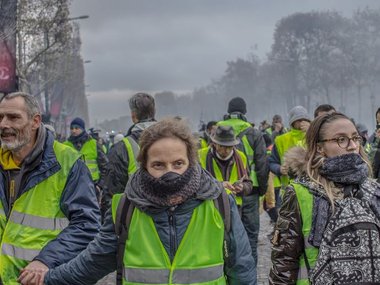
column 48, row 207
column 374, row 140
column 363, row 132
column 331, row 167
column 122, row 156
column 253, row 146
column 277, row 127
column 205, row 140
column 227, row 164
column 324, row 109
column 299, row 122
column 93, row 155
column 178, row 233
column 265, row 127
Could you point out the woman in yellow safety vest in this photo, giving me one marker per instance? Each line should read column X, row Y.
column 331, row 168
column 170, row 217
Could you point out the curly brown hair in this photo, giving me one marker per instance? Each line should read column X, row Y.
column 168, row 128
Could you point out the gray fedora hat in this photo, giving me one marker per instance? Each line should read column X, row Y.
column 224, row 136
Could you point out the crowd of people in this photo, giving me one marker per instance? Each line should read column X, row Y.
column 164, row 206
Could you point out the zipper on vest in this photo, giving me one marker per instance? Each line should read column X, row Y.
column 172, row 233
column 11, row 193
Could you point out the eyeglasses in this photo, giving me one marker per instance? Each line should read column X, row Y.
column 344, row 141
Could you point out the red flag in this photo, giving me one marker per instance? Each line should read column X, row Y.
column 8, row 46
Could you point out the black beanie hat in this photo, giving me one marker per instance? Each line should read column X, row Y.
column 237, row 104
column 78, row 122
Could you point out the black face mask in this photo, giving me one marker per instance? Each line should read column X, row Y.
column 169, row 177
column 169, row 185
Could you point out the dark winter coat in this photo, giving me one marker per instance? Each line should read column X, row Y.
column 117, row 178
column 78, row 201
column 99, row 258
column 288, row 243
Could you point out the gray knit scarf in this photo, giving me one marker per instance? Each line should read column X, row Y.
column 172, row 190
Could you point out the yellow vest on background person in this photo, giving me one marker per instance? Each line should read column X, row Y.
column 133, row 150
column 292, row 138
column 234, row 176
column 35, row 219
column 202, row 143
column 305, row 202
column 240, row 126
column 286, row 141
column 198, row 260
column 90, row 155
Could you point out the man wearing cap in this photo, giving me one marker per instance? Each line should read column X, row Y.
column 252, row 144
column 48, row 207
column 227, row 164
column 299, row 121
column 92, row 151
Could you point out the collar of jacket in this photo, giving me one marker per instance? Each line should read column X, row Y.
column 78, row 141
column 140, row 126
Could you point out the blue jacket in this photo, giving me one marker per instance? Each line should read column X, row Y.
column 78, row 203
column 275, row 161
column 99, row 258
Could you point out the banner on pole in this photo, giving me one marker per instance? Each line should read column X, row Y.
column 8, row 12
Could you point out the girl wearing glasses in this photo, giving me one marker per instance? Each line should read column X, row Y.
column 332, row 167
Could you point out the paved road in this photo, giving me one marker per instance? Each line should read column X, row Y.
column 263, row 251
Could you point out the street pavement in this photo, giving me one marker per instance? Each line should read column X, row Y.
column 264, row 251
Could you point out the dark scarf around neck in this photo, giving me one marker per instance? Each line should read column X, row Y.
column 169, row 192
column 345, row 169
column 80, row 139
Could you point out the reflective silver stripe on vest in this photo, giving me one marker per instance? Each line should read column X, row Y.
column 147, row 276
column 135, row 149
column 306, row 242
column 39, row 222
column 93, row 169
column 91, row 161
column 302, row 273
column 20, row 253
column 2, row 213
column 180, row 276
column 200, row 275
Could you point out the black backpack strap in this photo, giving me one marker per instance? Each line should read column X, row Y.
column 124, row 214
column 223, row 205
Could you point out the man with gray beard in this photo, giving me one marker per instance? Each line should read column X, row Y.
column 48, row 206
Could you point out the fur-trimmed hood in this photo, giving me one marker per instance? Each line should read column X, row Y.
column 295, row 159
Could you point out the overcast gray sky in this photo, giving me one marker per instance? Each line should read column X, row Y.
column 178, row 45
